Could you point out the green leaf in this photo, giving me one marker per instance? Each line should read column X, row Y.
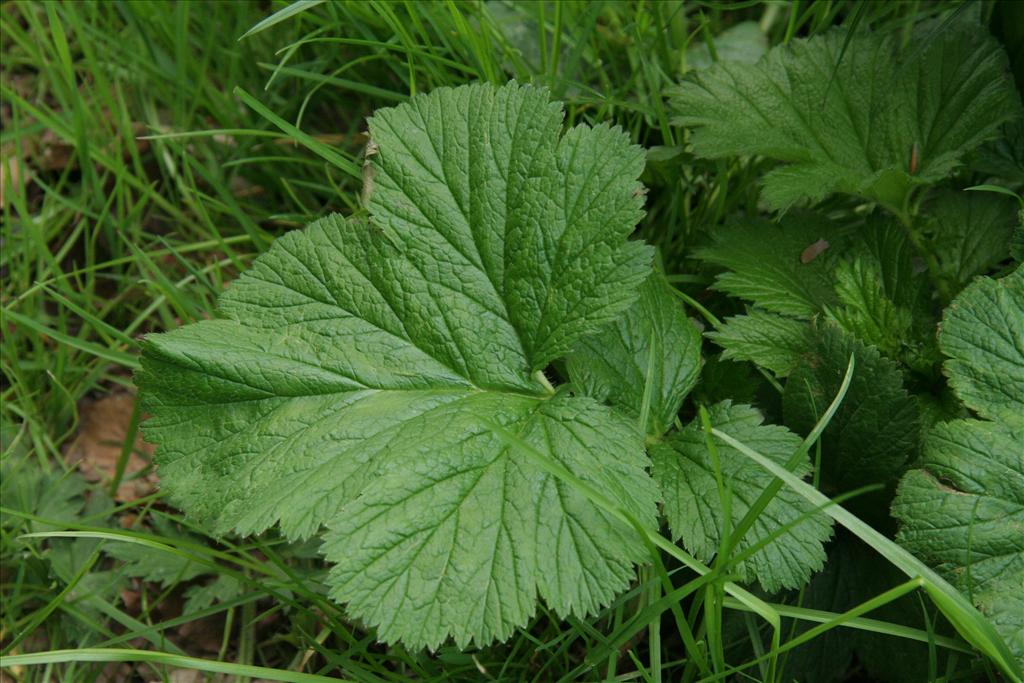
column 221, row 589
column 887, row 300
column 477, row 181
column 879, row 123
column 854, row 574
column 969, row 233
column 1017, row 240
column 1002, row 601
column 876, row 430
column 470, row 539
column 721, row 380
column 885, row 245
column 362, row 376
column 972, row 493
column 157, row 565
column 1004, row 156
column 770, row 340
column 153, row 564
column 983, row 335
column 804, row 266
column 866, row 312
column 962, row 512
column 652, row 350
column 771, row 263
column 26, row 487
column 744, row 42
column 686, row 474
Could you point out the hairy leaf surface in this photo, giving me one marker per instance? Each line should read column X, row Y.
column 652, row 350
column 685, row 471
column 364, row 376
column 877, row 427
column 970, row 232
column 963, row 511
column 880, row 122
column 770, row 340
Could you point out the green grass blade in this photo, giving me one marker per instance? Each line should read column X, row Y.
column 961, row 613
column 277, row 17
column 304, row 139
column 164, row 658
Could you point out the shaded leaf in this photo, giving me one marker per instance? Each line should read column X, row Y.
column 866, row 312
column 221, row 589
column 970, row 233
column 764, row 263
column 962, row 512
column 857, row 132
column 876, row 430
column 770, row 340
column 743, row 42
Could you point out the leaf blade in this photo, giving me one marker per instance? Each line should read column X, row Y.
column 855, row 133
column 360, row 369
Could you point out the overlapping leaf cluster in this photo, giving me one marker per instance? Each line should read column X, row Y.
column 864, row 118
column 963, row 510
column 378, row 377
column 386, row 381
column 887, row 128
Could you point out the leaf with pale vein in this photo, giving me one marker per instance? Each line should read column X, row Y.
column 684, row 469
column 359, row 370
column 870, row 119
column 653, row 343
column 963, row 511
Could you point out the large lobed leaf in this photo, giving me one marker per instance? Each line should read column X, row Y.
column 862, row 118
column 963, row 510
column 368, row 376
column 648, row 362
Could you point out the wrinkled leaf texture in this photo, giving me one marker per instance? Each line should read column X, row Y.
column 873, row 120
column 361, row 375
column 962, row 511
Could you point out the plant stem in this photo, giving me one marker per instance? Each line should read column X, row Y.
column 543, row 380
column 907, row 220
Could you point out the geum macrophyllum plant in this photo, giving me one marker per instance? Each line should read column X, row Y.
column 383, row 379
column 883, row 126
